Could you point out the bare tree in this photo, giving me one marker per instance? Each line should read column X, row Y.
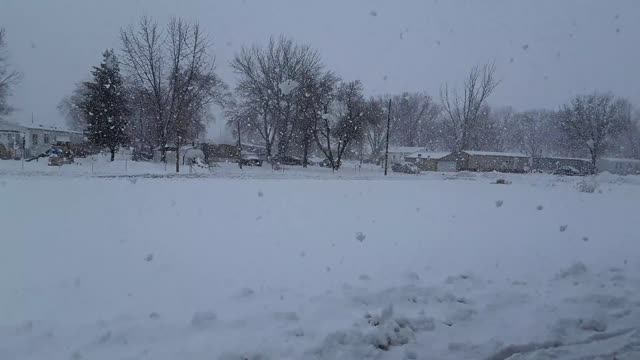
column 593, row 119
column 414, row 114
column 317, row 88
column 8, row 77
column 144, row 59
column 69, row 108
column 174, row 77
column 531, row 132
column 270, row 87
column 463, row 111
column 342, row 122
column 375, row 125
column 626, row 140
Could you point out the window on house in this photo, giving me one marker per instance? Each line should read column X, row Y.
column 34, row 139
column 46, row 138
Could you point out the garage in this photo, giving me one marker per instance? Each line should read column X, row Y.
column 447, row 166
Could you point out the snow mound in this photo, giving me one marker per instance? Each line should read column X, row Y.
column 380, row 332
column 587, row 185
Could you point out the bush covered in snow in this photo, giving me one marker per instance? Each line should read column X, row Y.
column 587, row 185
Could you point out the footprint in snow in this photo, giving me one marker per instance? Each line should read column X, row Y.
column 148, row 258
column 499, row 203
column 260, row 194
column 539, row 207
column 360, row 236
column 563, row 228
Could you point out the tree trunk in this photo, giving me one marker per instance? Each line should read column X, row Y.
column 268, row 150
column 305, row 152
column 178, row 153
column 113, row 154
column 163, row 154
column 594, row 160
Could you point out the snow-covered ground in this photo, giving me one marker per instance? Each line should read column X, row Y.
column 306, row 264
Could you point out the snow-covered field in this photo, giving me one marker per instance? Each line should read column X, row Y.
column 252, row 265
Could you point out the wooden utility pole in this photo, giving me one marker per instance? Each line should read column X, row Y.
column 386, row 152
column 239, row 146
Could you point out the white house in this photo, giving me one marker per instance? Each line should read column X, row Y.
column 398, row 153
column 11, row 139
column 36, row 138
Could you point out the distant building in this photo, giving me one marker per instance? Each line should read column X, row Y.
column 425, row 160
column 550, row 164
column 397, row 154
column 619, row 166
column 37, row 139
column 484, row 161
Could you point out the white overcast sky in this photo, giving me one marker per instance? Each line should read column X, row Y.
column 545, row 50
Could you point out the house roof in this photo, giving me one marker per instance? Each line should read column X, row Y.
column 7, row 126
column 52, row 128
column 405, row 149
column 622, row 160
column 495, row 153
column 551, row 157
column 427, row 155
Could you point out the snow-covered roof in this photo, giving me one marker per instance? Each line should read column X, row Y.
column 622, row 160
column 52, row 128
column 427, row 155
column 232, row 143
column 495, row 153
column 7, row 126
column 563, row 158
column 405, row 149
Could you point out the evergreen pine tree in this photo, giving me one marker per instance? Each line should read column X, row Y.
column 105, row 106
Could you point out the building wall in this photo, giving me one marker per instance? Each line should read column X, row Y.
column 497, row 163
column 424, row 164
column 619, row 166
column 12, row 143
column 35, row 139
column 549, row 164
column 467, row 162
